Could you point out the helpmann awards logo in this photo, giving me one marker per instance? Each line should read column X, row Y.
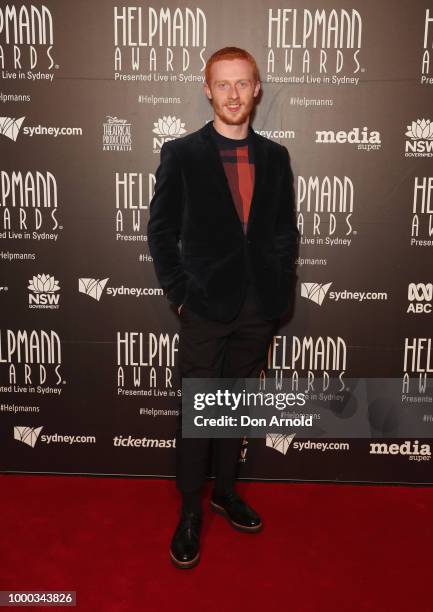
column 26, row 42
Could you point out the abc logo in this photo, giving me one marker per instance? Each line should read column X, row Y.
column 420, row 294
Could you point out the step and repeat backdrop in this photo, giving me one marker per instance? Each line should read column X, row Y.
column 89, row 93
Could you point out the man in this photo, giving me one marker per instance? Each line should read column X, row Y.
column 227, row 193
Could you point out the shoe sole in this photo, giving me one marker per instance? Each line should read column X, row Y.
column 185, row 564
column 244, row 528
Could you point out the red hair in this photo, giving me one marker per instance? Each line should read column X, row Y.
column 231, row 53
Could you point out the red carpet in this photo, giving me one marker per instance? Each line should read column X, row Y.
column 324, row 547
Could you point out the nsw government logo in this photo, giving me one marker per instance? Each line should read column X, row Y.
column 420, row 141
column 166, row 128
column 117, row 135
column 43, row 288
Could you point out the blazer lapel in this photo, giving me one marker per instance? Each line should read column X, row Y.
column 217, row 170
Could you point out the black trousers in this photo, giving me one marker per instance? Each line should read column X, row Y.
column 212, row 349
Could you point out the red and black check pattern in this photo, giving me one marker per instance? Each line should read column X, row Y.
column 238, row 162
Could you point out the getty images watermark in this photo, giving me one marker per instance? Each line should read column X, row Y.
column 332, row 408
column 239, row 401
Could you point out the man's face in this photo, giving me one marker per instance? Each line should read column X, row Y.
column 232, row 90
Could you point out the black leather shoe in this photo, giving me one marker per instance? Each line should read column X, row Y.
column 185, row 545
column 239, row 514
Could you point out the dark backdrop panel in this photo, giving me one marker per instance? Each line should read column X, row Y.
column 89, row 92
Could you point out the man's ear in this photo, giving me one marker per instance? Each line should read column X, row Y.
column 256, row 89
column 207, row 90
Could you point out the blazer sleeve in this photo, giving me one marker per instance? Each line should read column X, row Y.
column 286, row 230
column 163, row 229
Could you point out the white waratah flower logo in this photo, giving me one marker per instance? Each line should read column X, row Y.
column 44, row 283
column 169, row 126
column 422, row 129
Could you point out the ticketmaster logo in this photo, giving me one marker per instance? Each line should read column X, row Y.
column 144, row 442
column 27, row 435
column 279, row 442
column 10, row 127
column 92, row 287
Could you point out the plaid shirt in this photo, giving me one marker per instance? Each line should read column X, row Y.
column 238, row 162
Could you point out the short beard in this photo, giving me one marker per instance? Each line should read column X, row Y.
column 236, row 120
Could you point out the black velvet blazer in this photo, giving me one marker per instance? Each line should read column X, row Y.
column 192, row 204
